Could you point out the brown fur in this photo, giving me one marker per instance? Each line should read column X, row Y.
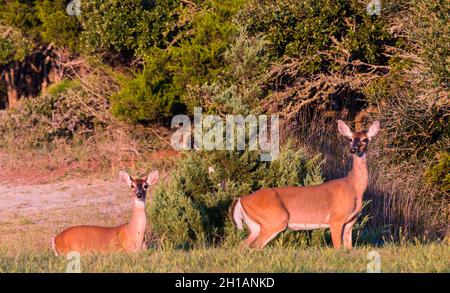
column 336, row 203
column 94, row 239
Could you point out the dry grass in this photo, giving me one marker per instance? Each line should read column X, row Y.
column 400, row 204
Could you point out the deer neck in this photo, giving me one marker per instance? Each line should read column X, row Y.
column 136, row 227
column 358, row 176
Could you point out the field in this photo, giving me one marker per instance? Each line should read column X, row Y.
column 83, row 96
column 430, row 258
column 33, row 213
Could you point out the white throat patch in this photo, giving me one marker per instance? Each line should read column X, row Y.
column 139, row 203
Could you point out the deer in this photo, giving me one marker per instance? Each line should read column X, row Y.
column 335, row 204
column 128, row 237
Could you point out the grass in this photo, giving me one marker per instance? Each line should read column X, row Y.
column 434, row 257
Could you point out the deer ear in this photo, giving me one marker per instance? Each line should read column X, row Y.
column 344, row 129
column 373, row 129
column 125, row 177
column 153, row 177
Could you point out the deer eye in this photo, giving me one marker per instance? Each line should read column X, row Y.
column 145, row 186
column 132, row 186
column 350, row 139
column 365, row 140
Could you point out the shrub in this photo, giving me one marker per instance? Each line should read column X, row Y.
column 318, row 30
column 438, row 174
column 193, row 208
column 57, row 26
column 13, row 45
column 126, row 27
column 151, row 94
column 18, row 14
column 430, row 30
column 66, row 111
column 239, row 91
column 194, row 58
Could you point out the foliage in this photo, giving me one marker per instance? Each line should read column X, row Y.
column 57, row 26
column 19, row 14
column 150, row 95
column 193, row 59
column 432, row 34
column 318, row 30
column 127, row 27
column 67, row 109
column 13, row 45
column 239, row 91
column 193, row 208
column 438, row 174
column 45, row 21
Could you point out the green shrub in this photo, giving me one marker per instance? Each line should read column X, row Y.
column 127, row 27
column 239, row 91
column 194, row 59
column 57, row 26
column 151, row 94
column 309, row 30
column 431, row 31
column 14, row 46
column 438, row 174
column 18, row 14
column 193, row 208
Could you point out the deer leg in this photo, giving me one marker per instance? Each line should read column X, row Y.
column 254, row 230
column 348, row 234
column 336, row 234
column 269, row 231
column 265, row 236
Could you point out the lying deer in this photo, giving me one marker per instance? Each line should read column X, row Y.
column 127, row 237
column 335, row 204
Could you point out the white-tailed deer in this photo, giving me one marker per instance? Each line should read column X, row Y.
column 335, row 204
column 127, row 237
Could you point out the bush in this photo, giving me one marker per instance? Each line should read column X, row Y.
column 438, row 174
column 18, row 14
column 127, row 27
column 66, row 111
column 151, row 94
column 57, row 26
column 317, row 30
column 193, row 208
column 193, row 59
column 239, row 91
column 430, row 30
column 13, row 45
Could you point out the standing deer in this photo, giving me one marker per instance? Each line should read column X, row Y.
column 335, row 204
column 127, row 237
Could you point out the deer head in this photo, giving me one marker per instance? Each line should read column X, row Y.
column 359, row 141
column 140, row 186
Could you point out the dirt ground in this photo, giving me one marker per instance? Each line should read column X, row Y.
column 32, row 211
column 38, row 202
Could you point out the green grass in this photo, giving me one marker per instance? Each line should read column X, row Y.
column 405, row 258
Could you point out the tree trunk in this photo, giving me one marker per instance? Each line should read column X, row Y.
column 29, row 78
